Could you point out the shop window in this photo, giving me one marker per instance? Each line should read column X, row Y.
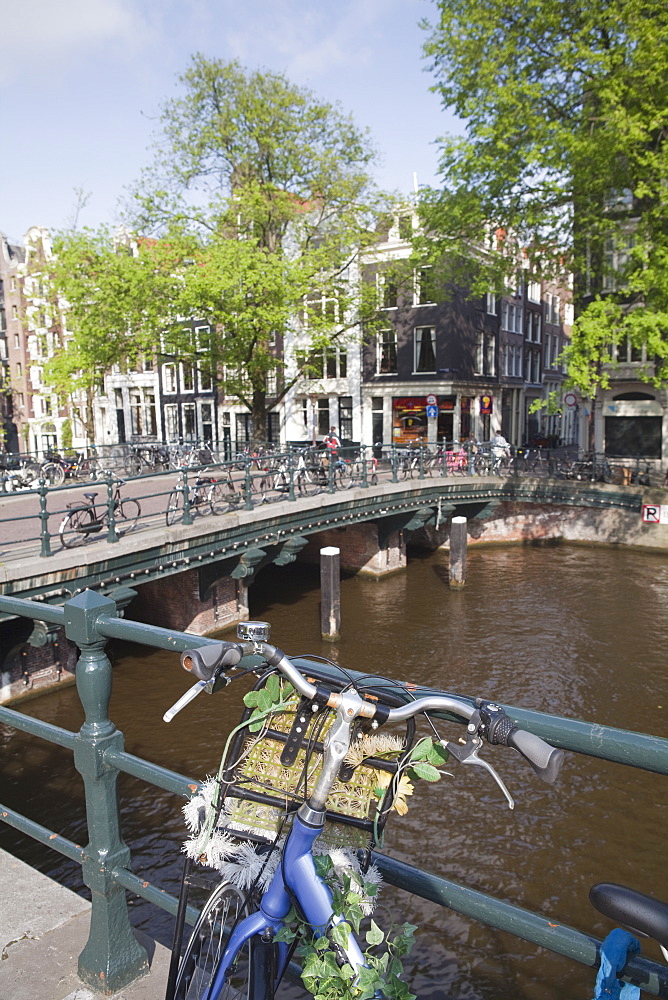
column 633, row 437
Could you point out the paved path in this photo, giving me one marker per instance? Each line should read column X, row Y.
column 43, row 929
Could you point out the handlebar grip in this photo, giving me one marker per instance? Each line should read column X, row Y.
column 204, row 661
column 544, row 759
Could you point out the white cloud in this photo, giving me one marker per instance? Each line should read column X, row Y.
column 42, row 33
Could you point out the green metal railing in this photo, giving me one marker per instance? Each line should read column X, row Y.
column 112, row 956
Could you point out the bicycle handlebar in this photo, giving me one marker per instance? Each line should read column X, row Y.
column 485, row 719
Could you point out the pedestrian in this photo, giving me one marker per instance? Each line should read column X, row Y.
column 332, row 443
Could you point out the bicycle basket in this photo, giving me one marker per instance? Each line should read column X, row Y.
column 268, row 773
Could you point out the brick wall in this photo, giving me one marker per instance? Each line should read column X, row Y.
column 174, row 602
column 360, row 551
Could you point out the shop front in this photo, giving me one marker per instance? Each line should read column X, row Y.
column 428, row 419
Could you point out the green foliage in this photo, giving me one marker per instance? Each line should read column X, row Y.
column 66, row 435
column 261, row 195
column 272, row 697
column 325, row 972
column 564, row 160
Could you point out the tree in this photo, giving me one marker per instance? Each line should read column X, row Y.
column 114, row 299
column 564, row 161
column 261, row 197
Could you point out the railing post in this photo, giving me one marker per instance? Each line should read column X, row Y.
column 248, row 485
column 331, row 470
column 112, row 956
column 394, row 459
column 365, row 476
column 185, row 487
column 43, row 490
column 112, row 534
column 291, row 478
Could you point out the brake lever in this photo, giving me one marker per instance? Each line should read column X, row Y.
column 467, row 752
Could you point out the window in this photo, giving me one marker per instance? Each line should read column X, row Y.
column 171, row 421
column 206, row 414
column 479, row 353
column 19, row 370
column 321, row 307
column 615, row 260
column 511, row 317
column 377, row 419
column 534, row 327
column 346, row 417
column 490, row 303
column 187, row 377
column 135, row 412
column 323, row 417
column 205, row 380
column 627, row 353
column 331, row 362
column 533, row 291
column 169, row 378
column 386, row 352
column 189, row 422
column 552, row 308
column 425, row 349
column 425, row 287
column 17, row 340
column 388, row 291
column 151, row 419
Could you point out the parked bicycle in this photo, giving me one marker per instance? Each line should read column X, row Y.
column 315, row 763
column 206, row 495
column 85, row 520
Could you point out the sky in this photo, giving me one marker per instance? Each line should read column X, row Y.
column 83, row 81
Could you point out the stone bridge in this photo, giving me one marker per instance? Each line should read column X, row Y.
column 196, row 577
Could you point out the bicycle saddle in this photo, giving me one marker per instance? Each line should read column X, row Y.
column 90, row 496
column 642, row 914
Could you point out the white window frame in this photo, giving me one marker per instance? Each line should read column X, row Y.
column 417, row 347
column 382, row 342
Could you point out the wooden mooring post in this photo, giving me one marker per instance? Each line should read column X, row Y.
column 458, row 541
column 330, row 592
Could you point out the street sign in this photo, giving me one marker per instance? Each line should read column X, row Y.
column 431, row 401
column 654, row 513
column 432, row 411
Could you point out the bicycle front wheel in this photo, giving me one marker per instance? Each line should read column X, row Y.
column 224, row 907
column 53, row 473
column 77, row 526
column 223, row 497
column 127, row 513
column 174, row 510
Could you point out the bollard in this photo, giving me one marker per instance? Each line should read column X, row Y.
column 330, row 592
column 458, row 540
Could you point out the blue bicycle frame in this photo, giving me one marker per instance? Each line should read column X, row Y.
column 297, row 873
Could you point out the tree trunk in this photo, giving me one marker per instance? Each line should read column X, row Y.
column 259, row 417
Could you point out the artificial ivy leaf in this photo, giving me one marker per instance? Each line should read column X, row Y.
column 286, row 934
column 374, row 935
column 340, row 934
column 321, row 944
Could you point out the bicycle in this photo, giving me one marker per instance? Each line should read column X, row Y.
column 309, row 750
column 206, row 495
column 86, row 520
column 642, row 914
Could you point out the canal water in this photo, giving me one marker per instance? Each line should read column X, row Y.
column 581, row 632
